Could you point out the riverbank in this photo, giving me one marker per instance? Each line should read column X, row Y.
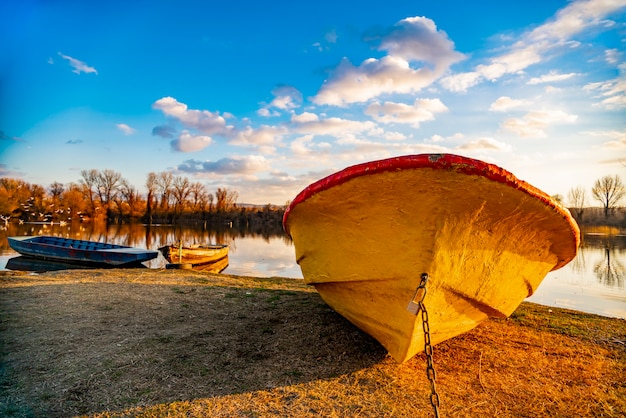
column 104, row 343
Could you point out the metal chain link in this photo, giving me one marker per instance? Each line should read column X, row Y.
column 416, row 306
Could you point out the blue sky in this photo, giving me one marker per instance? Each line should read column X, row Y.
column 267, row 97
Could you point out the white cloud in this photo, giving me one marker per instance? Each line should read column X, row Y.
column 125, row 128
column 460, row 83
column 616, row 139
column 285, row 98
column 552, row 89
column 302, row 145
column 612, row 56
column 187, row 142
column 513, row 62
column 266, row 137
column 505, row 103
column 551, row 77
column 202, row 120
column 266, row 113
column 533, row 46
column 422, row 110
column 394, row 136
column 284, row 102
column 79, row 66
column 411, row 41
column 484, row 144
column 305, row 117
column 534, row 124
column 333, row 126
column 417, row 39
column 612, row 92
column 438, row 138
column 238, row 165
column 574, row 18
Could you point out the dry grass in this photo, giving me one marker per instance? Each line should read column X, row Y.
column 109, row 343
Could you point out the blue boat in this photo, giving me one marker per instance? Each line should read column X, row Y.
column 78, row 251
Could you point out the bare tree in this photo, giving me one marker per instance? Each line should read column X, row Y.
column 128, row 198
column 577, row 198
column 152, row 186
column 56, row 190
column 609, row 191
column 181, row 191
column 164, row 182
column 199, row 196
column 225, row 199
column 210, row 199
column 103, row 184
column 73, row 199
column 89, row 181
column 15, row 194
column 108, row 186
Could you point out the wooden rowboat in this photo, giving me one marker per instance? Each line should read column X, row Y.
column 195, row 255
column 364, row 236
column 89, row 253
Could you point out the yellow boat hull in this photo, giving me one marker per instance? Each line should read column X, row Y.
column 194, row 254
column 363, row 237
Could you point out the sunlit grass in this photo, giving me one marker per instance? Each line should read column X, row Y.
column 122, row 343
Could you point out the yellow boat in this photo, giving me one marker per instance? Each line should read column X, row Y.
column 195, row 255
column 364, row 236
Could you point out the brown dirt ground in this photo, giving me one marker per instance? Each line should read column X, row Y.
column 156, row 343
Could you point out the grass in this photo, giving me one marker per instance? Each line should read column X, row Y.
column 169, row 343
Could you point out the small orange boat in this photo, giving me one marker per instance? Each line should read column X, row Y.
column 195, row 255
column 364, row 236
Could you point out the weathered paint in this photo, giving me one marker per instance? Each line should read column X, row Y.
column 364, row 235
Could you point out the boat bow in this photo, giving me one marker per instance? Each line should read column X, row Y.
column 364, row 235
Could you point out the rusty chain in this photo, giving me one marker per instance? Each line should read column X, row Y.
column 416, row 306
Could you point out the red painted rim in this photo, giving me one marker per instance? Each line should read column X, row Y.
column 449, row 162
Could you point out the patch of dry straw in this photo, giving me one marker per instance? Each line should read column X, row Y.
column 109, row 343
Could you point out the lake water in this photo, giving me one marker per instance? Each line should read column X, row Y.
column 593, row 282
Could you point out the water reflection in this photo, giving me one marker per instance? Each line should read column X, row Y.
column 609, row 269
column 139, row 235
column 265, row 253
column 593, row 282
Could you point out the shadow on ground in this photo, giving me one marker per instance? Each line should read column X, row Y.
column 90, row 347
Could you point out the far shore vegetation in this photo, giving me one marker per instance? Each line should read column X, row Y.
column 104, row 195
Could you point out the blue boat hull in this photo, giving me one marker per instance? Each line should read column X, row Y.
column 80, row 251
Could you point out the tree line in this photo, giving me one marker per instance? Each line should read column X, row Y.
column 104, row 195
column 609, row 191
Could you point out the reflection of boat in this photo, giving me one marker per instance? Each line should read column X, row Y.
column 80, row 251
column 39, row 265
column 213, row 267
column 194, row 254
column 364, row 236
column 217, row 266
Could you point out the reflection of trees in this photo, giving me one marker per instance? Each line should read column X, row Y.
column 150, row 237
column 145, row 236
column 578, row 263
column 610, row 271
